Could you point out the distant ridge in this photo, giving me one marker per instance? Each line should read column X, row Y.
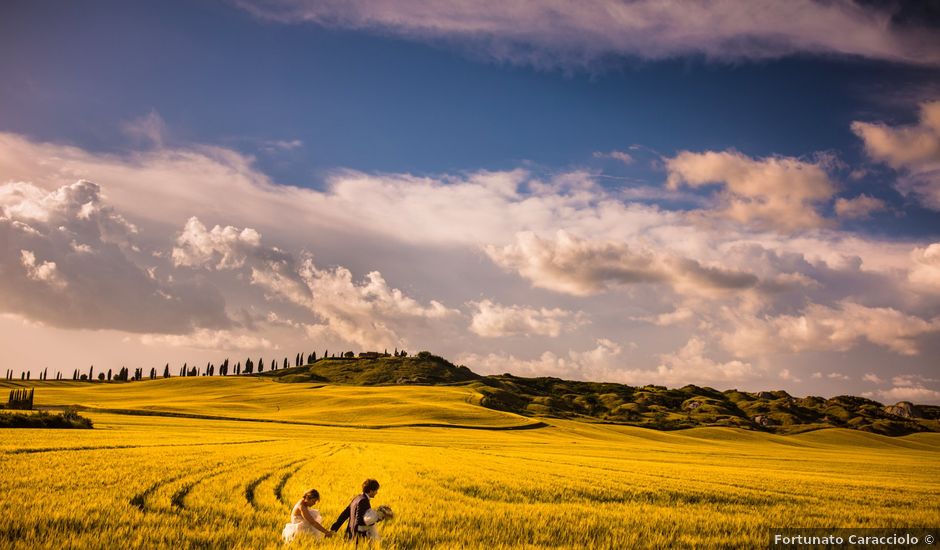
column 648, row 406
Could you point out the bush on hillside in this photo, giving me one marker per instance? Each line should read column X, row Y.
column 68, row 419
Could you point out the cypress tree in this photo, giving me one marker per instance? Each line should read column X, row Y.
column 285, row 363
column 109, row 375
column 166, row 371
column 91, row 371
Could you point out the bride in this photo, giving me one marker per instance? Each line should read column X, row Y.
column 305, row 520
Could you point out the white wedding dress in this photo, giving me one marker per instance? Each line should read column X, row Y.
column 299, row 526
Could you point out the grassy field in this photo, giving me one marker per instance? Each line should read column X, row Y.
column 141, row 481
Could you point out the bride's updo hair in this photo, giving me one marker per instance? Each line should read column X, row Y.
column 312, row 494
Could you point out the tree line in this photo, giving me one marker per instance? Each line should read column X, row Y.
column 21, row 399
column 224, row 368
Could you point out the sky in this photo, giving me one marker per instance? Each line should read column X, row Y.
column 732, row 194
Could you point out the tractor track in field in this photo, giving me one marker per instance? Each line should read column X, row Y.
column 140, row 499
column 285, row 477
column 253, row 484
column 177, row 500
column 279, row 486
column 336, row 449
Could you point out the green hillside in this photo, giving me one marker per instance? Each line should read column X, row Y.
column 648, row 406
column 423, row 368
column 429, row 390
column 260, row 399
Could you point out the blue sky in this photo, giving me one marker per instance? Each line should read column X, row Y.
column 374, row 102
column 382, row 98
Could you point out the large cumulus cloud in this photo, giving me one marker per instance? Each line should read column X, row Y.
column 462, row 262
column 68, row 259
column 913, row 150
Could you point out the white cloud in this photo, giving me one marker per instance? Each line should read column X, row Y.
column 823, row 328
column 654, row 264
column 776, row 192
column 691, row 365
column 368, row 313
column 873, row 378
column 622, row 156
column 924, row 275
column 677, row 316
column 493, row 320
column 221, row 248
column 785, row 374
column 858, row 207
column 149, row 129
column 915, row 394
column 566, row 33
column 45, row 272
column 580, row 267
column 212, row 340
column 913, row 150
column 837, row 376
column 911, row 380
column 598, row 363
column 605, row 362
column 70, row 260
column 273, row 146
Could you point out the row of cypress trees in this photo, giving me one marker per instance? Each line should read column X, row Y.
column 225, row 368
column 21, row 399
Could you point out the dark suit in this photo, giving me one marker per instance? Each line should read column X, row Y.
column 355, row 514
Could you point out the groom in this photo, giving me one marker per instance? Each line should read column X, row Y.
column 356, row 510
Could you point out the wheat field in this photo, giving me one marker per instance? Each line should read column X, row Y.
column 225, row 471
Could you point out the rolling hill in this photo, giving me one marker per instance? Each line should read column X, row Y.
column 648, row 406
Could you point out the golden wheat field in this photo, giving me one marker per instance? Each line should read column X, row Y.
column 452, row 471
